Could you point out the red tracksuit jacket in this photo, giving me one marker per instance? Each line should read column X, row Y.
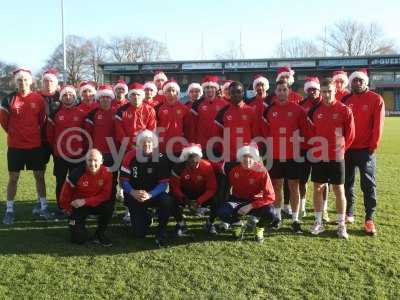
column 294, row 97
column 81, row 184
column 199, row 182
column 23, row 119
column 307, row 104
column 130, row 120
column 335, row 123
column 99, row 124
column 115, row 105
column 253, row 185
column 88, row 108
column 340, row 95
column 369, row 113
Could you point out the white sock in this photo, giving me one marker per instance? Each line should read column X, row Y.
column 303, row 204
column 341, row 219
column 286, row 207
column 295, row 216
column 325, row 204
column 278, row 213
column 43, row 202
column 318, row 217
column 10, row 206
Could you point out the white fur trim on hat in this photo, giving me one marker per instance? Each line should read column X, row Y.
column 86, row 87
column 195, row 85
column 160, row 75
column 311, row 84
column 343, row 77
column 263, row 80
column 134, row 91
column 290, row 74
column 150, row 85
column 50, row 77
column 171, row 84
column 147, row 134
column 193, row 149
column 121, row 85
column 248, row 149
column 105, row 92
column 360, row 75
column 211, row 84
column 67, row 89
column 23, row 74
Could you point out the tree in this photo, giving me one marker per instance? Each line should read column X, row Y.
column 97, row 53
column 352, row 38
column 232, row 51
column 6, row 77
column 297, row 47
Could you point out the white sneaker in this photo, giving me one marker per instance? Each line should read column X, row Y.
column 317, row 228
column 342, row 233
column 120, row 195
column 127, row 218
column 223, row 226
column 350, row 219
column 287, row 210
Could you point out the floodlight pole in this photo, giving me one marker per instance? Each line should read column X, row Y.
column 63, row 43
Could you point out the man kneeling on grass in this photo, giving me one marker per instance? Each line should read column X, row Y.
column 87, row 191
column 252, row 194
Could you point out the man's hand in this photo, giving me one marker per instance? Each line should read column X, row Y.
column 244, row 210
column 78, row 203
column 140, row 195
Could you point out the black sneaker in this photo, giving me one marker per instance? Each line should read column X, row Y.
column 101, row 239
column 161, row 241
column 276, row 224
column 296, row 228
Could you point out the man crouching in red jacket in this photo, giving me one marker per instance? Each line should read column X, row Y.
column 87, row 191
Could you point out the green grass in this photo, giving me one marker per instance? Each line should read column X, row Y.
column 37, row 262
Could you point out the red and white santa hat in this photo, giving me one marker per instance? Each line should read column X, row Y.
column 341, row 75
column 22, row 73
column 361, row 74
column 285, row 71
column 226, row 84
column 195, row 86
column 146, row 134
column 189, row 150
column 171, row 83
column 150, row 85
column 311, row 82
column 50, row 74
column 260, row 79
column 250, row 149
column 210, row 80
column 160, row 75
column 67, row 89
column 86, row 85
column 121, row 84
column 136, row 88
column 105, row 90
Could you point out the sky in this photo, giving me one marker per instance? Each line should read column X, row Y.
column 31, row 30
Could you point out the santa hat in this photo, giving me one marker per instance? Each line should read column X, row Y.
column 50, row 74
column 160, row 75
column 67, row 88
column 171, row 83
column 226, row 84
column 189, row 150
column 341, row 75
column 361, row 74
column 105, row 90
column 135, row 88
column 311, row 82
column 193, row 86
column 150, row 85
column 121, row 84
column 86, row 85
column 250, row 149
column 210, row 80
column 285, row 71
column 146, row 134
column 260, row 79
column 21, row 73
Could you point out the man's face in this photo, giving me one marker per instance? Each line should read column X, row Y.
column 260, row 88
column 49, row 86
column 87, row 95
column 105, row 102
column 328, row 93
column 194, row 94
column 282, row 92
column 284, row 78
column 236, row 93
column 210, row 92
column 68, row 99
column 171, row 94
column 136, row 99
column 339, row 84
column 358, row 85
column 159, row 83
column 149, row 93
column 313, row 93
column 225, row 93
column 193, row 160
column 94, row 161
column 120, row 92
column 147, row 146
column 247, row 161
column 23, row 84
